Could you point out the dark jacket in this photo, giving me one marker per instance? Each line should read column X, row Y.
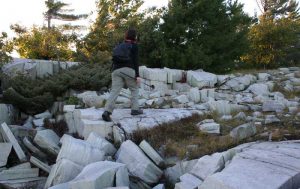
column 134, row 60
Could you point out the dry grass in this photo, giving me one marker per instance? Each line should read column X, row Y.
column 287, row 94
column 183, row 139
column 59, row 128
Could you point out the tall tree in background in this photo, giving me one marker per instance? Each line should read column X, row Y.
column 274, row 40
column 207, row 34
column 56, row 10
column 42, row 43
column 5, row 48
column 113, row 19
column 279, row 8
column 151, row 46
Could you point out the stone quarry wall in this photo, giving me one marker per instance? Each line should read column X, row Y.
column 36, row 68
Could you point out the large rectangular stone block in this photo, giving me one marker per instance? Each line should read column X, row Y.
column 9, row 137
column 5, row 149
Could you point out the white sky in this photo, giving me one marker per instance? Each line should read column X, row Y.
column 30, row 12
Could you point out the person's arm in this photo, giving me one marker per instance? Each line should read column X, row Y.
column 135, row 60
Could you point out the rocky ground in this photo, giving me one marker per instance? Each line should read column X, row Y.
column 188, row 137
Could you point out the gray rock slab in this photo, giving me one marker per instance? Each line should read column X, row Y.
column 138, row 163
column 38, row 163
column 260, row 165
column 223, row 107
column 102, row 128
column 63, row 171
column 122, row 177
column 181, row 87
column 191, row 179
column 259, row 89
column 11, row 174
column 249, row 174
column 28, row 183
column 154, row 74
column 79, row 151
column 160, row 186
column 6, row 112
column 93, row 101
column 173, row 173
column 271, row 119
column 201, row 79
column 47, row 140
column 208, row 165
column 184, row 185
column 273, row 106
column 5, row 149
column 21, row 166
column 138, row 184
column 21, row 131
column 38, row 122
column 151, row 153
column 209, row 127
column 68, row 108
column 69, row 119
column 9, row 137
column 151, row 118
column 87, row 93
column 44, row 115
column 243, row 131
column 61, row 186
column 182, row 99
column 100, row 142
column 122, row 187
column 96, row 175
column 206, row 94
column 44, row 68
column 33, row 149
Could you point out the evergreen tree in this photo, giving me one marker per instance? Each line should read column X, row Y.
column 5, row 48
column 56, row 10
column 207, row 34
column 279, row 8
column 114, row 18
column 151, row 46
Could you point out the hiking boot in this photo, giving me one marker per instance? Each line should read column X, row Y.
column 137, row 112
column 106, row 116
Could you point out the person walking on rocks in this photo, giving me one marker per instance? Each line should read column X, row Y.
column 125, row 71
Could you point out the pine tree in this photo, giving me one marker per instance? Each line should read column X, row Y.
column 5, row 48
column 113, row 19
column 207, row 34
column 279, row 8
column 56, row 10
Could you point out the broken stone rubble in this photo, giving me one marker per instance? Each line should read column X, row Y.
column 224, row 103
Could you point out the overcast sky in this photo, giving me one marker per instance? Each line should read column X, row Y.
column 30, row 12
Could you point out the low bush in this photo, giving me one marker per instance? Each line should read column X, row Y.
column 35, row 96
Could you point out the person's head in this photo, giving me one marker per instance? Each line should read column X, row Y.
column 130, row 35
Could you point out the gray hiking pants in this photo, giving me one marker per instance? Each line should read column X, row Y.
column 118, row 82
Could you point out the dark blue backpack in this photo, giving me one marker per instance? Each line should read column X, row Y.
column 122, row 53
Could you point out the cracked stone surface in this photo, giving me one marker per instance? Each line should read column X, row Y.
column 150, row 119
column 260, row 165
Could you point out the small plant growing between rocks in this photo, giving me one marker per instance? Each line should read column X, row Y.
column 72, row 100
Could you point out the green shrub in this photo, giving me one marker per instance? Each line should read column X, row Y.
column 35, row 96
column 72, row 100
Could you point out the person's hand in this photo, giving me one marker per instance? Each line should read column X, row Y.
column 138, row 80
